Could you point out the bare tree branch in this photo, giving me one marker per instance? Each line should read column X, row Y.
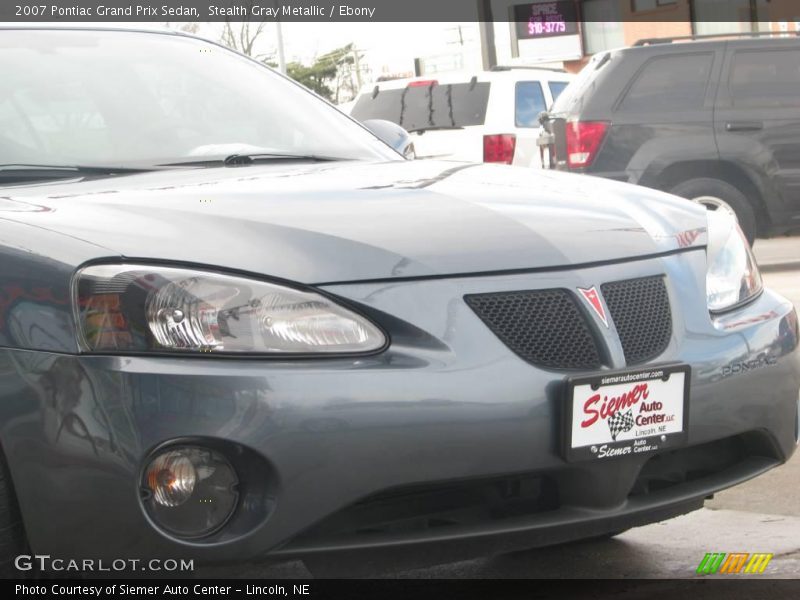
column 242, row 36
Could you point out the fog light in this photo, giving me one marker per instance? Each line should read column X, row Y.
column 171, row 478
column 190, row 491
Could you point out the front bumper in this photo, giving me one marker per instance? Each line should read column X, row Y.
column 446, row 405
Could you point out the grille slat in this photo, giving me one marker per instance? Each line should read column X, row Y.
column 641, row 312
column 543, row 327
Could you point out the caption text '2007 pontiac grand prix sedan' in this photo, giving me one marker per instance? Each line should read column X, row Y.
column 236, row 325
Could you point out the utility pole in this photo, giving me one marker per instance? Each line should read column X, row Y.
column 281, row 55
column 486, row 27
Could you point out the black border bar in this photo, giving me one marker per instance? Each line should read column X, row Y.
column 700, row 588
column 43, row 11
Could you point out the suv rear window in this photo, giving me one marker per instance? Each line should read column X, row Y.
column 765, row 78
column 556, row 87
column 447, row 105
column 578, row 90
column 670, row 83
column 528, row 103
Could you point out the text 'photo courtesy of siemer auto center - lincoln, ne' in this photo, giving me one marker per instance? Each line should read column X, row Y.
column 474, row 298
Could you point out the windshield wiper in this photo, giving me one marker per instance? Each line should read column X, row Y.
column 433, row 128
column 11, row 173
column 239, row 160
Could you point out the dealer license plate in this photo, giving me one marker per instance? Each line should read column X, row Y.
column 625, row 413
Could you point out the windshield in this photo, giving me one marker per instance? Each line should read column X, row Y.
column 427, row 106
column 70, row 97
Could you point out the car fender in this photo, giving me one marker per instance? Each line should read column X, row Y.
column 35, row 295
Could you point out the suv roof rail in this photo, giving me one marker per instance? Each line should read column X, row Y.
column 714, row 36
column 514, row 67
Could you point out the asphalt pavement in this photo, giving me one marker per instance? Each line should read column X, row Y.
column 762, row 515
column 778, row 254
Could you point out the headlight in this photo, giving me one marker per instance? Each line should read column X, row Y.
column 733, row 277
column 149, row 308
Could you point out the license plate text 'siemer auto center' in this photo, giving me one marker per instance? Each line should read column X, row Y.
column 625, row 413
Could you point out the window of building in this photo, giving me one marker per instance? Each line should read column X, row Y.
column 642, row 5
column 716, row 17
column 670, row 83
column 765, row 78
column 602, row 26
column 528, row 103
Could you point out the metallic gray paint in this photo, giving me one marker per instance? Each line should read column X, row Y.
column 404, row 242
column 348, row 222
column 446, row 401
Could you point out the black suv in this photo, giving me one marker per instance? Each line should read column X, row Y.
column 714, row 121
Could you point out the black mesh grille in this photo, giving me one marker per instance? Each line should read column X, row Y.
column 641, row 313
column 543, row 327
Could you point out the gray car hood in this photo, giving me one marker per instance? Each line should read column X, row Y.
column 347, row 221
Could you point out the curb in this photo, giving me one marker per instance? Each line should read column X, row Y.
column 775, row 267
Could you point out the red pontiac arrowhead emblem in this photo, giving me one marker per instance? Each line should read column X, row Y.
column 593, row 298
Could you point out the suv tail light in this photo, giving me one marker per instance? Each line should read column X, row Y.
column 499, row 148
column 583, row 141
